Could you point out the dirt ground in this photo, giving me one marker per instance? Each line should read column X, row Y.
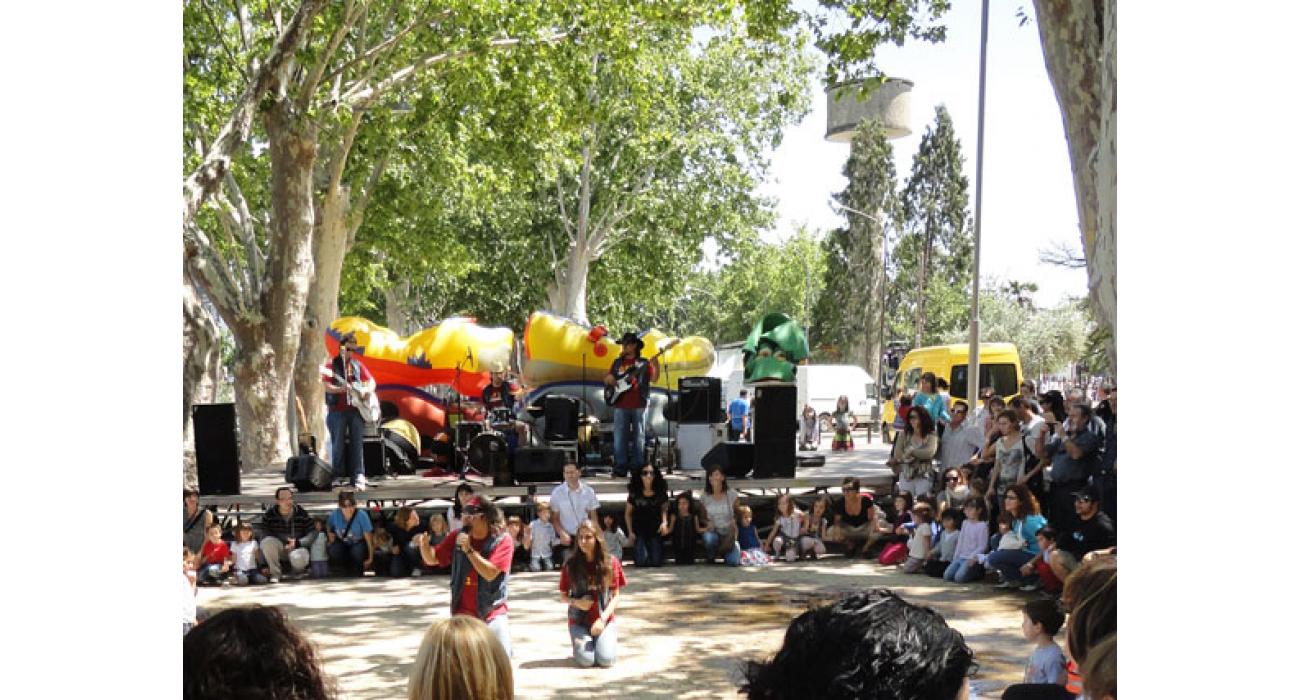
column 683, row 631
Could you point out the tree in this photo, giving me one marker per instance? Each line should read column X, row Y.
column 847, row 321
column 935, row 252
column 1048, row 340
column 1079, row 46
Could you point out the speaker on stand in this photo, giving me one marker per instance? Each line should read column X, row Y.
column 216, row 449
column 775, row 427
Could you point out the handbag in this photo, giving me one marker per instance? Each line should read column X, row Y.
column 893, row 553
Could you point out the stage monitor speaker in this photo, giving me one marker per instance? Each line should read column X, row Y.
column 700, row 401
column 372, row 455
column 561, row 414
column 538, row 464
column 216, row 449
column 735, row 458
column 776, row 423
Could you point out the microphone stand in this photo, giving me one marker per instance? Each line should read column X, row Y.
column 672, row 443
column 582, row 413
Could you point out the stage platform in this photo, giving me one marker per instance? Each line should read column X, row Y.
column 867, row 463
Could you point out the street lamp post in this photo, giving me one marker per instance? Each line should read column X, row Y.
column 884, row 272
column 973, row 364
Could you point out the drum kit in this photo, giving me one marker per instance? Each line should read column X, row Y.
column 483, row 445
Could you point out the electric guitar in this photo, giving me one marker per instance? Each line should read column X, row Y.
column 623, row 380
column 359, row 396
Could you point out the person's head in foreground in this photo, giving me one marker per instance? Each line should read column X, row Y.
column 251, row 652
column 460, row 658
column 871, row 644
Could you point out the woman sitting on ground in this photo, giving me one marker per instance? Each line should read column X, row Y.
column 589, row 584
column 402, row 556
column 720, row 507
column 460, row 658
column 1026, row 522
column 914, row 449
column 196, row 521
column 351, row 536
column 647, row 515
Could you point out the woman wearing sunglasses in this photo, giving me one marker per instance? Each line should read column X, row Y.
column 647, row 515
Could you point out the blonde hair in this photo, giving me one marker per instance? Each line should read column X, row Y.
column 440, row 519
column 460, row 658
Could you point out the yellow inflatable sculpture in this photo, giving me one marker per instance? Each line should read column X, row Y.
column 430, row 356
column 556, row 348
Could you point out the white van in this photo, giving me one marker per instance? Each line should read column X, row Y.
column 822, row 385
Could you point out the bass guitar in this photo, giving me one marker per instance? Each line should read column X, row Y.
column 623, row 380
column 360, row 396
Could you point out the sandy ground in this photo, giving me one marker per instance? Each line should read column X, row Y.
column 683, row 631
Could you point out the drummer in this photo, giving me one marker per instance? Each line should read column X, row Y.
column 501, row 392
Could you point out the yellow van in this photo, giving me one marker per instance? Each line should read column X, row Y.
column 999, row 368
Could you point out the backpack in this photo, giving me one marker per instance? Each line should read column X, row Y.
column 893, row 553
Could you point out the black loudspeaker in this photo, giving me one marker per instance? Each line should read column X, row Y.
column 700, row 400
column 216, row 449
column 775, row 426
column 372, row 455
column 534, row 464
column 735, row 458
column 561, row 413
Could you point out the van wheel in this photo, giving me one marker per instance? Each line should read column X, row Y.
column 828, row 424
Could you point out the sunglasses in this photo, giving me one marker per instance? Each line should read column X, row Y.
column 1083, row 499
column 648, row 472
column 950, row 478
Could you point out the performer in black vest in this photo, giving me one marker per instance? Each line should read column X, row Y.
column 629, row 409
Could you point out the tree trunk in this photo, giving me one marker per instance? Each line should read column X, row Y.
column 201, row 355
column 267, row 350
column 329, row 246
column 1079, row 49
column 397, row 308
column 922, row 285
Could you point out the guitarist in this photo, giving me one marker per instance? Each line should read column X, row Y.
column 629, row 409
column 347, row 427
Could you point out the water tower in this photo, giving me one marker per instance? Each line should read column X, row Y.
column 889, row 105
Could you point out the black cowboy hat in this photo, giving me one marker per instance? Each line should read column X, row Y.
column 631, row 337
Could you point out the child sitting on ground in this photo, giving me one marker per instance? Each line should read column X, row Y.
column 382, row 540
column 686, row 527
column 541, row 540
column 812, row 540
column 751, row 550
column 519, row 561
column 942, row 555
column 920, row 541
column 783, row 541
column 972, row 542
column 1007, row 538
column 320, row 556
column 189, row 589
column 214, row 558
column 1047, row 579
column 1042, row 620
column 615, row 538
column 244, row 552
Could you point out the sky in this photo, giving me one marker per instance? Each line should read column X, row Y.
column 1028, row 190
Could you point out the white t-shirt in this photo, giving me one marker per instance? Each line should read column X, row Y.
column 720, row 511
column 958, row 444
column 245, row 554
column 573, row 506
column 543, row 537
column 916, row 543
column 189, row 609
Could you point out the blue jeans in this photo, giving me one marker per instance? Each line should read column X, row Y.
column 1009, row 561
column 711, row 542
column 649, row 550
column 400, row 565
column 346, row 425
column 625, row 419
column 963, row 571
column 591, row 651
column 210, row 572
column 349, row 556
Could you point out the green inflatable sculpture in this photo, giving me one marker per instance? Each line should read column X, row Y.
column 773, row 350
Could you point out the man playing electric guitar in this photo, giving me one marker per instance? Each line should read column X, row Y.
column 635, row 372
column 346, row 423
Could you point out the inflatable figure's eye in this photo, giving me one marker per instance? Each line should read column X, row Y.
column 765, row 352
column 780, row 355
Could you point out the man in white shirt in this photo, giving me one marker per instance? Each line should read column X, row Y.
column 963, row 439
column 1034, row 428
column 571, row 503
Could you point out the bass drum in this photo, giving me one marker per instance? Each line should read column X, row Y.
column 490, row 454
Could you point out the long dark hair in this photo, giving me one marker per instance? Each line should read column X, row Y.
column 659, row 487
column 708, row 485
column 927, row 423
column 1028, row 501
column 929, row 377
column 599, row 573
column 455, row 500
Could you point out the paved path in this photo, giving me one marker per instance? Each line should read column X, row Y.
column 683, row 630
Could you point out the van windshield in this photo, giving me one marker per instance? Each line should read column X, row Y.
column 1000, row 376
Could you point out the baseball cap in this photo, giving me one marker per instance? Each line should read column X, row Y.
column 1090, row 492
column 473, row 506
